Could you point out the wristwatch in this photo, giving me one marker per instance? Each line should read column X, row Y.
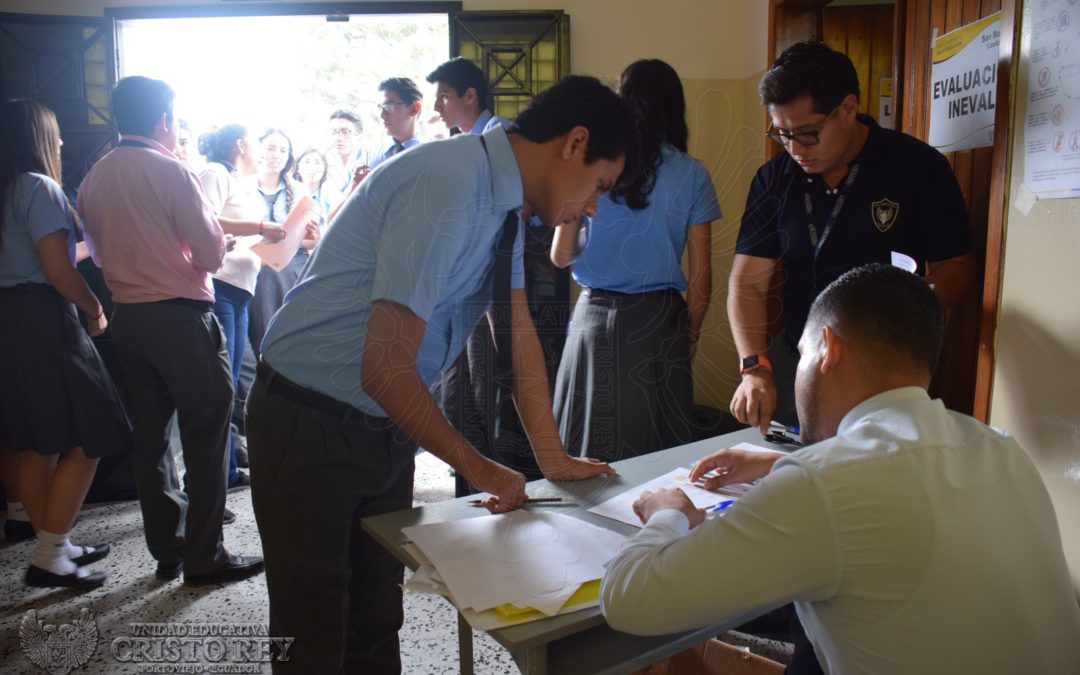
column 755, row 362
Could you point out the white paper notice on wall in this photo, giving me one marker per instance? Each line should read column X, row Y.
column 963, row 83
column 1024, row 199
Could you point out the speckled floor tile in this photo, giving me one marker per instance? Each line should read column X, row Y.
column 133, row 595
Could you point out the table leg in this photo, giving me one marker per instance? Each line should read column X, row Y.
column 533, row 661
column 465, row 655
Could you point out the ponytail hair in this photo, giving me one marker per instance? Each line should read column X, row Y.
column 219, row 145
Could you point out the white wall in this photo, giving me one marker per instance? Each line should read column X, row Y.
column 1036, row 388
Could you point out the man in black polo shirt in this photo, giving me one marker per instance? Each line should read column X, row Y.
column 845, row 193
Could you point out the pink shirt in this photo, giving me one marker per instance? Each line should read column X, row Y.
column 149, row 226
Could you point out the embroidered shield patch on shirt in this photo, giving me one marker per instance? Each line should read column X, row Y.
column 884, row 213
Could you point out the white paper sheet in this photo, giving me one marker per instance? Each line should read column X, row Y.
column 621, row 508
column 527, row 558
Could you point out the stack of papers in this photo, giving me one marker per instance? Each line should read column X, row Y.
column 520, row 566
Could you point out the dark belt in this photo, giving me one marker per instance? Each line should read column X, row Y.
column 201, row 305
column 29, row 287
column 605, row 293
column 286, row 388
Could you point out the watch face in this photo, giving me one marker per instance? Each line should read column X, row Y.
column 750, row 361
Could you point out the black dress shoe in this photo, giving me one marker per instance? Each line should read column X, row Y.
column 168, row 571
column 239, row 567
column 99, row 552
column 229, row 517
column 18, row 530
column 35, row 576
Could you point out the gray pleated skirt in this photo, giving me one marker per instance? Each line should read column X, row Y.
column 624, row 386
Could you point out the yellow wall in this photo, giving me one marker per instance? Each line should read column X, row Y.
column 719, row 50
column 1036, row 389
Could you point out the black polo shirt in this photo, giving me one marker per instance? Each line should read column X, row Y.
column 905, row 198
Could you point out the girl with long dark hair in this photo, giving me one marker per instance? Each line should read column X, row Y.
column 624, row 386
column 279, row 193
column 58, row 405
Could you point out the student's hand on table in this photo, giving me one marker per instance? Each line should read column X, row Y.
column 755, row 400
column 668, row 498
column 272, row 233
column 506, row 486
column 733, row 466
column 565, row 467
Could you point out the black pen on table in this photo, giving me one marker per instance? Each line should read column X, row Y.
column 531, row 500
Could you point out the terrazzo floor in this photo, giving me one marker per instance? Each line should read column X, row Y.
column 132, row 595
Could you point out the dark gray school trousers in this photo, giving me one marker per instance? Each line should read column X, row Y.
column 317, row 468
column 174, row 360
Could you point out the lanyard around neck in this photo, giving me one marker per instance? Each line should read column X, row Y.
column 830, row 221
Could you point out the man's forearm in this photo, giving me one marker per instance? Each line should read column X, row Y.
column 953, row 279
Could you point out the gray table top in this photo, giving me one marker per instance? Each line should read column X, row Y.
column 386, row 529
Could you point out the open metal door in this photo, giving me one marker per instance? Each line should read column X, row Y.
column 69, row 65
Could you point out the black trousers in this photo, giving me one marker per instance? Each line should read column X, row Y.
column 174, row 361
column 315, row 473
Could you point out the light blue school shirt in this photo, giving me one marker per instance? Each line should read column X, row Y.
column 36, row 207
column 487, row 121
column 421, row 232
column 639, row 251
column 275, row 210
column 385, row 154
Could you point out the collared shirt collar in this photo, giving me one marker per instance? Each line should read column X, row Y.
column 886, row 399
column 154, row 145
column 506, row 187
column 478, row 126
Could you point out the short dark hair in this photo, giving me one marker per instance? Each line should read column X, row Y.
column 579, row 100
column 810, row 68
column 139, row 102
column 404, row 87
column 886, row 310
column 349, row 116
column 460, row 74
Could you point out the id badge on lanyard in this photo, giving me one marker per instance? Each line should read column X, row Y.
column 817, row 242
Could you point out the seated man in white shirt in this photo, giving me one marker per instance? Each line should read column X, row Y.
column 911, row 539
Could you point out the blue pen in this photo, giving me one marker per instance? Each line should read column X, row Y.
column 722, row 505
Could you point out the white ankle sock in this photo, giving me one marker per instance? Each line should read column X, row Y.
column 74, row 551
column 16, row 511
column 51, row 554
